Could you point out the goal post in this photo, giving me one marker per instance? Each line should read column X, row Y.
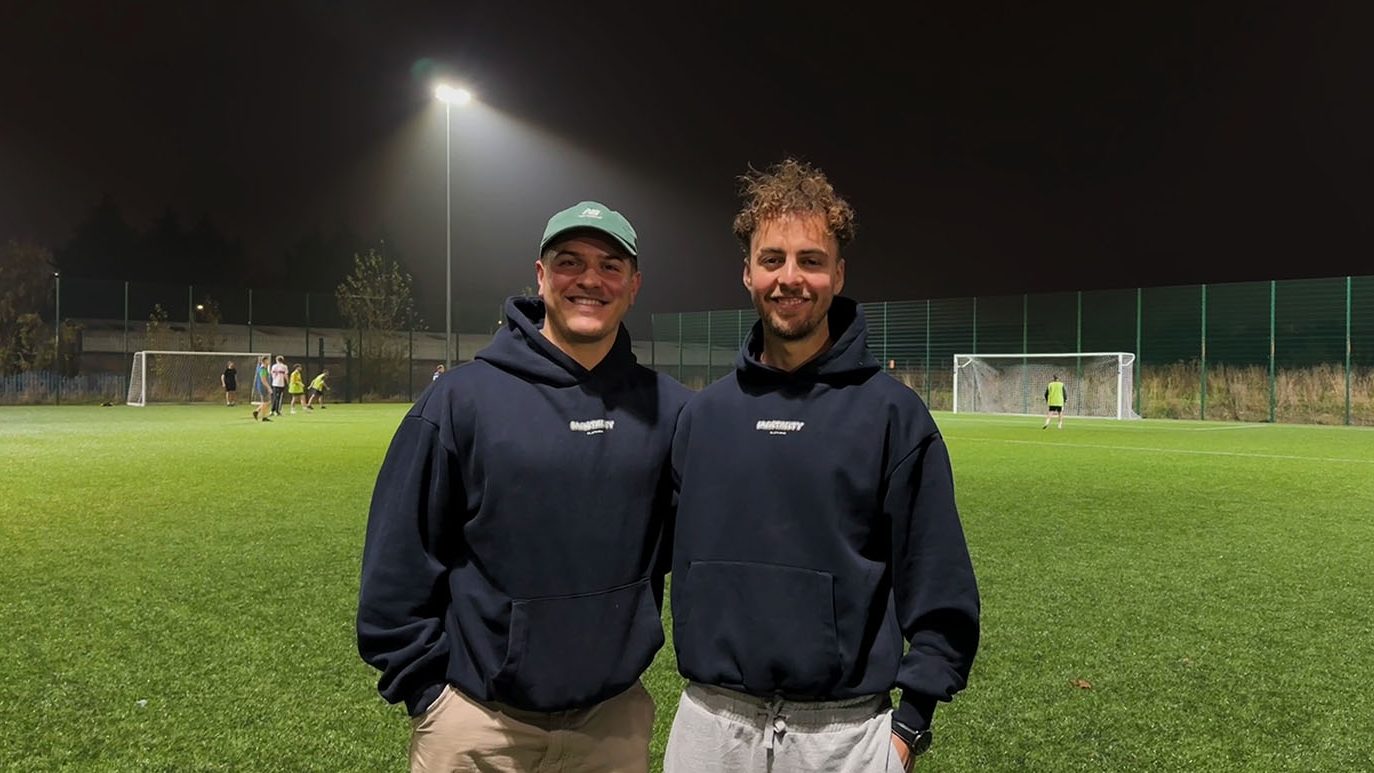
column 1098, row 384
column 186, row 377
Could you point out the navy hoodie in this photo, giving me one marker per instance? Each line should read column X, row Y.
column 816, row 531
column 517, row 530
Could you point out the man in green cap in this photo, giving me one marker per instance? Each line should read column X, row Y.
column 512, row 575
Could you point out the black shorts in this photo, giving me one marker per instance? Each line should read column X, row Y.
column 1056, row 409
column 231, row 387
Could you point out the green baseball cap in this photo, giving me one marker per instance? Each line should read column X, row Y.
column 594, row 216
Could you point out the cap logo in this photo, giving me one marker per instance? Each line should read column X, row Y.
column 591, row 212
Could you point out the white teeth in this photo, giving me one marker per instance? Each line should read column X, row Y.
column 587, row 302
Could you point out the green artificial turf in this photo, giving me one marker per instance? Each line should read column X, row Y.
column 177, row 591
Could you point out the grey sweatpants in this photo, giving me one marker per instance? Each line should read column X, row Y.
column 722, row 731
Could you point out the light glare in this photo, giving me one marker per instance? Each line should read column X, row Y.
column 452, row 96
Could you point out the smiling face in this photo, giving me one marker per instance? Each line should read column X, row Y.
column 793, row 272
column 588, row 284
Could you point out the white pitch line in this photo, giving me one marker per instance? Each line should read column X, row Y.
column 1194, row 452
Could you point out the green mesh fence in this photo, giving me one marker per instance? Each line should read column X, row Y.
column 104, row 322
column 1309, row 350
column 1238, row 351
column 1286, row 351
column 1360, row 357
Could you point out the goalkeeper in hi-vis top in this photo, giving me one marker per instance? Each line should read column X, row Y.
column 1055, row 395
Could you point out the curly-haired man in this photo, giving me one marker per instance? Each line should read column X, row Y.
column 816, row 526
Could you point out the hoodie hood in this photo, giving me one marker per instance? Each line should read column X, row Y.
column 846, row 360
column 520, row 347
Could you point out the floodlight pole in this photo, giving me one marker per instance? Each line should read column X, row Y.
column 57, row 333
column 448, row 237
column 57, row 316
column 450, row 96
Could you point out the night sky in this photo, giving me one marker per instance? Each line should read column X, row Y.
column 997, row 148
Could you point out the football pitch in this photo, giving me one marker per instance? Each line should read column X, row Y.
column 178, row 586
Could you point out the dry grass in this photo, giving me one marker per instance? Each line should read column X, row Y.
column 1314, row 395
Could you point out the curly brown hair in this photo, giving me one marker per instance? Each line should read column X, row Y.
column 791, row 187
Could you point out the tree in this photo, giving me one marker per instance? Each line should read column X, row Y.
column 209, row 255
column 205, row 331
column 318, row 259
column 26, row 292
column 377, row 302
column 157, row 335
column 104, row 246
column 164, row 248
column 377, row 294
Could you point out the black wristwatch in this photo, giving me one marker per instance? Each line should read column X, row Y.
column 917, row 741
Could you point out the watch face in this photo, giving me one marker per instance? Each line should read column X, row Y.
column 922, row 743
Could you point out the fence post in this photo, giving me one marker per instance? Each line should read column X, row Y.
column 1025, row 349
column 1139, row 368
column 1273, row 379
column 885, row 335
column 307, row 324
column 926, row 367
column 1078, row 359
column 250, row 319
column 57, row 335
column 348, row 375
column 190, row 319
column 1202, row 404
column 190, row 339
column 410, row 359
column 709, row 353
column 1347, row 350
column 973, row 350
column 124, row 378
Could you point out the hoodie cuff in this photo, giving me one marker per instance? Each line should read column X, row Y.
column 915, row 711
column 419, row 702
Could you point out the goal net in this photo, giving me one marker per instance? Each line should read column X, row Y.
column 187, row 377
column 1096, row 383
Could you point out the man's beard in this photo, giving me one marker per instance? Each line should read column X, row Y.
column 796, row 331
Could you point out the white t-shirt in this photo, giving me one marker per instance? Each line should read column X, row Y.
column 279, row 375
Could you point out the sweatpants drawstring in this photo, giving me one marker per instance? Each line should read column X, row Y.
column 774, row 723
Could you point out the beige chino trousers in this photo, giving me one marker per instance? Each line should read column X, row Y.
column 458, row 734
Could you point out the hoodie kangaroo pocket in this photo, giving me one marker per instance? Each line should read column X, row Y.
column 573, row 651
column 764, row 628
